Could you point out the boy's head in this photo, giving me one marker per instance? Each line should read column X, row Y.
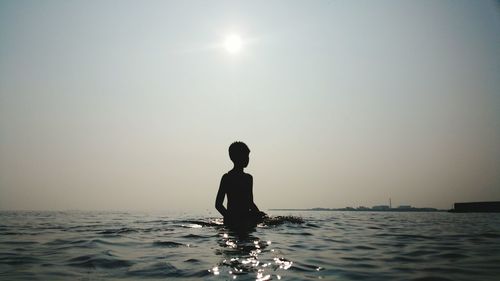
column 238, row 152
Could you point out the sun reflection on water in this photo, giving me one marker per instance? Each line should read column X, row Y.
column 242, row 256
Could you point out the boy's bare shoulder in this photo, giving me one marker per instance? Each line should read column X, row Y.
column 247, row 177
column 231, row 174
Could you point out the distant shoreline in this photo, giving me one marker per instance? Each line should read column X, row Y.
column 463, row 207
column 366, row 209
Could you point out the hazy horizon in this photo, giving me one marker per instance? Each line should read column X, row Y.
column 128, row 105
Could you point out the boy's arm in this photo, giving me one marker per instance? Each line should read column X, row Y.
column 220, row 198
column 253, row 207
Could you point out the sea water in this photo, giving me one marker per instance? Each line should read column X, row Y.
column 328, row 245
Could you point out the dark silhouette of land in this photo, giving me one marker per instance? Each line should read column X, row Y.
column 241, row 211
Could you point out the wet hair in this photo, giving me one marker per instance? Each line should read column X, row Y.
column 238, row 151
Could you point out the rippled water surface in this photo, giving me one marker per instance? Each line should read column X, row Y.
column 329, row 245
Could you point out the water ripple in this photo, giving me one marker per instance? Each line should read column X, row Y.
column 98, row 261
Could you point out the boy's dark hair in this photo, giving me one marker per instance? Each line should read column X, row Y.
column 238, row 150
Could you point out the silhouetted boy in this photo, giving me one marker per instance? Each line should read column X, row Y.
column 237, row 185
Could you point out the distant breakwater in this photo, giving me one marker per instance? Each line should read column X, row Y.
column 477, row 207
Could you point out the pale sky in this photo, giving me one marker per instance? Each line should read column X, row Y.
column 131, row 105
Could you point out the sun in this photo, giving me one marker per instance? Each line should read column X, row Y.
column 233, row 44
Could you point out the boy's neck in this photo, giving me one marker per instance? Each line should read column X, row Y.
column 238, row 169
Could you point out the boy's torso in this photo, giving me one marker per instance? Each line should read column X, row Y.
column 238, row 187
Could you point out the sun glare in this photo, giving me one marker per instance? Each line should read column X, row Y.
column 233, row 44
